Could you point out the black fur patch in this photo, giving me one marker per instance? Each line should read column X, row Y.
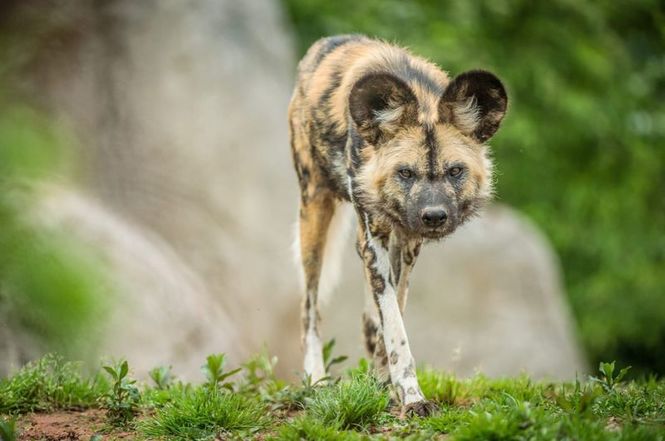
column 380, row 355
column 329, row 44
column 326, row 135
column 457, row 181
column 305, row 313
column 490, row 96
column 410, row 254
column 376, row 280
column 355, row 143
column 376, row 92
column 432, row 152
column 409, row 371
column 418, row 76
column 370, row 332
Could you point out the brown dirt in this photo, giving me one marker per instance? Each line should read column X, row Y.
column 66, row 425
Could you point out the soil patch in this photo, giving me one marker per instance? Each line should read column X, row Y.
column 66, row 425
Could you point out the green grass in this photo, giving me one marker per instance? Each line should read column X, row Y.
column 205, row 413
column 310, row 429
column 50, row 384
column 254, row 404
column 354, row 403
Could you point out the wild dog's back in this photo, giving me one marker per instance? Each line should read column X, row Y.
column 317, row 138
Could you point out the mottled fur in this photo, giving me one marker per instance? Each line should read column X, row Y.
column 376, row 126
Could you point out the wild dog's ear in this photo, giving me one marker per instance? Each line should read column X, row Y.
column 475, row 102
column 379, row 104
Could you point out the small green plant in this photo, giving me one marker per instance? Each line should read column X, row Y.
column 439, row 387
column 162, row 377
column 260, row 369
column 363, row 368
column 293, row 397
column 123, row 400
column 8, row 430
column 203, row 414
column 356, row 403
column 214, row 372
column 310, row 429
column 328, row 360
column 577, row 399
column 608, row 381
column 155, row 398
column 260, row 376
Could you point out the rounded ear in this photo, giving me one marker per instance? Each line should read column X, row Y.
column 475, row 102
column 379, row 104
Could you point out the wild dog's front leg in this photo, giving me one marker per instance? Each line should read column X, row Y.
column 403, row 255
column 315, row 216
column 373, row 337
column 376, row 257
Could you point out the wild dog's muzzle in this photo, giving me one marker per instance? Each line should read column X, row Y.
column 433, row 217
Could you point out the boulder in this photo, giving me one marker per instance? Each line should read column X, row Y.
column 185, row 187
column 486, row 299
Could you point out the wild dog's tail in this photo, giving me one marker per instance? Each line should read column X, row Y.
column 338, row 236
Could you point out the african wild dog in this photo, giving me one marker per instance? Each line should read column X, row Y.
column 376, row 126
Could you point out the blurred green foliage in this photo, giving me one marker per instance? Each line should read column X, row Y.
column 582, row 149
column 49, row 286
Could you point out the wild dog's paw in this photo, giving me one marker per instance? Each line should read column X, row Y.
column 419, row 408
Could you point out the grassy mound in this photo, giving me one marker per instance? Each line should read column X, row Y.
column 251, row 403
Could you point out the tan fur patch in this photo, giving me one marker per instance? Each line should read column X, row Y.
column 458, row 148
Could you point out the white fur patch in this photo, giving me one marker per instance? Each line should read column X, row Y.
column 313, row 363
column 466, row 115
column 389, row 117
column 400, row 359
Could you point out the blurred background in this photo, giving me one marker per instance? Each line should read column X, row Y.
column 147, row 196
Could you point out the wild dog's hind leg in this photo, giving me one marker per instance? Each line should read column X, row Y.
column 401, row 365
column 315, row 215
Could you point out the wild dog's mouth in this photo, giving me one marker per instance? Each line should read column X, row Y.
column 434, row 233
column 430, row 233
column 437, row 233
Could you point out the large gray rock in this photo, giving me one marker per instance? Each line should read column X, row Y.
column 187, row 190
column 179, row 107
column 161, row 311
column 487, row 299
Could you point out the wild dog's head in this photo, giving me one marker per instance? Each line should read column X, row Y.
column 425, row 173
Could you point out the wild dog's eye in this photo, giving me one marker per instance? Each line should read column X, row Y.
column 455, row 171
column 405, row 173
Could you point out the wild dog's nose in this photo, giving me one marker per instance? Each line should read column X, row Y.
column 434, row 216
